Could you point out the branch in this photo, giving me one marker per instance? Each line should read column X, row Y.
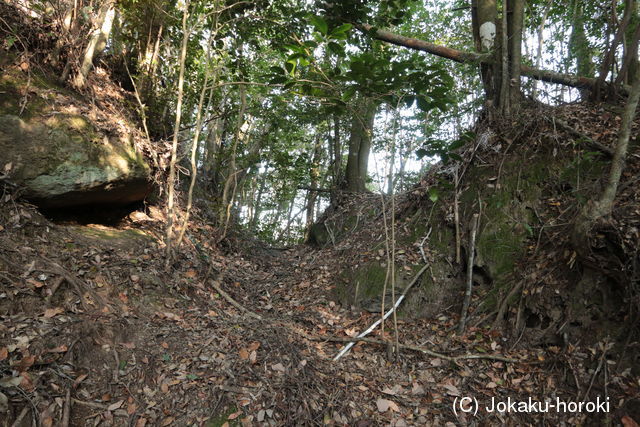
column 319, row 190
column 230, row 300
column 470, row 57
column 416, row 348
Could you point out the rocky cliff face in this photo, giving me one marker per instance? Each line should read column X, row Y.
column 61, row 150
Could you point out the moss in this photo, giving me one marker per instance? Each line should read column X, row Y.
column 367, row 279
column 223, row 419
column 110, row 234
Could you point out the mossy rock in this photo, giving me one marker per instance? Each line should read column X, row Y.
column 60, row 159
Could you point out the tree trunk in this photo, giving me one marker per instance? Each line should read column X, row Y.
column 359, row 146
column 609, row 58
column 97, row 43
column 540, row 35
column 516, row 24
column 484, row 15
column 174, row 146
column 630, row 61
column 231, row 179
column 314, row 178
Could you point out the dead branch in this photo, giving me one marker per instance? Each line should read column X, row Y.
column 419, row 349
column 78, row 284
column 469, row 57
column 573, row 131
column 23, row 413
column 216, row 285
column 467, row 295
column 66, row 410
column 346, row 348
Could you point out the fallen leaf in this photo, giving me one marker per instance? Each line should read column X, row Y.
column 278, row 367
column 4, row 353
column 141, row 422
column 4, row 403
column 244, row 354
column 164, row 387
column 385, row 405
column 167, row 421
column 60, row 349
column 234, row 415
column 78, row 380
column 253, row 357
column 452, row 390
column 25, row 363
column 51, row 312
column 115, row 405
column 7, row 382
column 131, row 408
column 627, row 421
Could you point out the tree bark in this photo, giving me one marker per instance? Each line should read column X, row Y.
column 630, row 61
column 515, row 50
column 97, row 42
column 314, row 178
column 174, row 146
column 610, row 54
column 359, row 146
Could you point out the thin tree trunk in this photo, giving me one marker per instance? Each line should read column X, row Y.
column 609, row 58
column 194, row 151
column 515, row 47
column 630, row 61
column 97, row 42
column 540, row 34
column 594, row 210
column 470, row 262
column 504, row 62
column 231, row 181
column 337, row 152
column 174, row 147
column 314, row 178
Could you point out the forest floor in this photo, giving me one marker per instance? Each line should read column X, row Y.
column 94, row 331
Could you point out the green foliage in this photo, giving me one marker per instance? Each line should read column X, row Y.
column 444, row 149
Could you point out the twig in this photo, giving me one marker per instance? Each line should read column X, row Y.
column 54, row 287
column 115, row 371
column 467, row 296
column 23, row 413
column 593, row 143
column 90, row 404
column 595, row 374
column 77, row 283
column 346, row 348
column 454, row 359
column 230, row 300
column 424, row 257
column 504, row 304
column 67, row 409
column 456, row 216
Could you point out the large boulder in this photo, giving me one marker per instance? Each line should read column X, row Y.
column 59, row 157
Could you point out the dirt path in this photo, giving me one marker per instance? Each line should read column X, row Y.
column 121, row 342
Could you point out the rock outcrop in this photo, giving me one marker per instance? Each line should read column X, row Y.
column 59, row 153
